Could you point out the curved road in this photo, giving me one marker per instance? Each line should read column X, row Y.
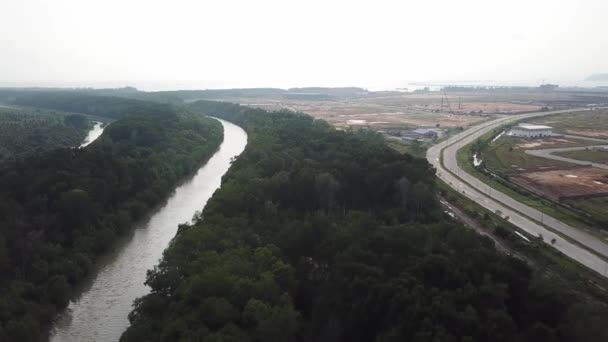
column 526, row 218
column 548, row 153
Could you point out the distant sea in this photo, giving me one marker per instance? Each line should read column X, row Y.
column 405, row 86
column 436, row 85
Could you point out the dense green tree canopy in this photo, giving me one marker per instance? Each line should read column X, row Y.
column 26, row 132
column 61, row 209
column 323, row 235
column 111, row 107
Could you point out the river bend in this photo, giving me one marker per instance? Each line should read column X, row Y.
column 100, row 312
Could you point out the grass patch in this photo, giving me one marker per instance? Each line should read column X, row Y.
column 594, row 156
column 504, row 155
column 595, row 207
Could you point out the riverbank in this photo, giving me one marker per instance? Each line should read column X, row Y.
column 100, row 312
column 65, row 209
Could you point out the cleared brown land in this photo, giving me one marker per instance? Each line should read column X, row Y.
column 405, row 118
column 542, row 143
column 395, row 110
column 346, row 113
column 565, row 183
column 593, row 133
column 490, row 107
column 457, row 104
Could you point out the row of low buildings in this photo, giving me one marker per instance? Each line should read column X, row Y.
column 522, row 130
column 411, row 135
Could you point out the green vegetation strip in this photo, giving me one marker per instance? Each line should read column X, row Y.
column 547, row 261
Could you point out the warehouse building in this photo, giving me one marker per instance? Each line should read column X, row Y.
column 524, row 130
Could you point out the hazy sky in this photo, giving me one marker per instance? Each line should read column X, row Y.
column 290, row 43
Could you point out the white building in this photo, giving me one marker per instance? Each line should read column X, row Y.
column 524, row 130
column 600, row 148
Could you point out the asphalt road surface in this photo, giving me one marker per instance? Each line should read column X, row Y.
column 548, row 153
column 526, row 218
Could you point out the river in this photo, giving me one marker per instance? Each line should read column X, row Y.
column 100, row 312
column 93, row 134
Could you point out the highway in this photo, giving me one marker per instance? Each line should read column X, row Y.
column 524, row 217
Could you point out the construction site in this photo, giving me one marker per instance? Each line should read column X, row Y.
column 555, row 164
column 565, row 184
column 449, row 107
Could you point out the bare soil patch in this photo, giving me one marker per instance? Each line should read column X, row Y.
column 593, row 133
column 565, row 183
column 488, row 107
column 537, row 144
column 401, row 110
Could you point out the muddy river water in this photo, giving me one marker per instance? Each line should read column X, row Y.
column 99, row 312
column 93, row 134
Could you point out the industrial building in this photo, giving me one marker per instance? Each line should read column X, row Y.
column 524, row 130
column 600, row 148
column 422, row 133
column 410, row 135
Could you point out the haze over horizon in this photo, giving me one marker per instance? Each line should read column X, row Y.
column 284, row 44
